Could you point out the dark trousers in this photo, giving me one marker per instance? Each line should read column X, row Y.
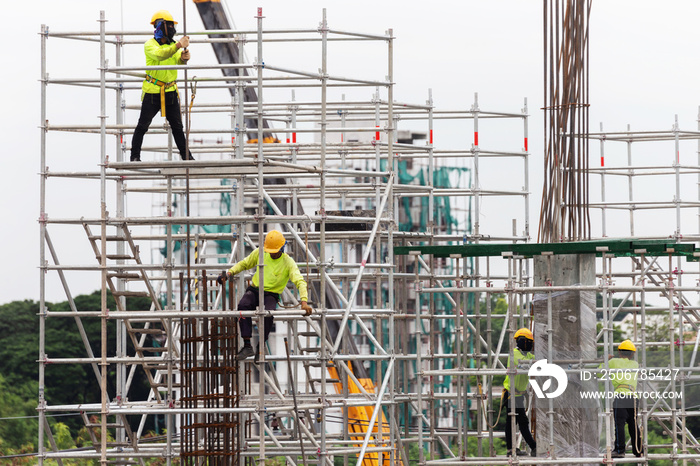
column 520, row 418
column 149, row 108
column 624, row 411
column 249, row 302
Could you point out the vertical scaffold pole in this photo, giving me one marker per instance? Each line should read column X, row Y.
column 390, row 246
column 103, row 240
column 526, row 172
column 260, row 158
column 603, row 210
column 550, row 351
column 643, row 331
column 671, row 338
column 322, row 249
column 677, row 170
column 476, row 232
column 419, row 357
column 512, row 367
column 477, row 182
column 41, row 408
column 630, row 178
column 431, row 162
column 607, row 351
column 121, row 369
column 490, row 360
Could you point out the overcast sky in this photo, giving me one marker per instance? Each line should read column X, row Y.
column 644, row 70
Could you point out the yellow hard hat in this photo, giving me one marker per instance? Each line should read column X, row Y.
column 274, row 241
column 524, row 332
column 627, row 345
column 162, row 14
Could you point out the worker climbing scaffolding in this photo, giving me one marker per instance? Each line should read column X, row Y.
column 279, row 269
column 159, row 90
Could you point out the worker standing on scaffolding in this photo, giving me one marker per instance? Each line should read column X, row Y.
column 623, row 376
column 279, row 269
column 515, row 392
column 159, row 90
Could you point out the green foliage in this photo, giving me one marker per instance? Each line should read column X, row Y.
column 65, row 383
column 61, row 434
column 18, row 426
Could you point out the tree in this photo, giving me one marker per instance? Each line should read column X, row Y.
column 65, row 383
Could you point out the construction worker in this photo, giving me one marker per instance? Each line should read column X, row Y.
column 159, row 90
column 279, row 269
column 623, row 376
column 515, row 392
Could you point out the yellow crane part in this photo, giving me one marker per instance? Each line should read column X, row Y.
column 359, row 417
column 266, row 140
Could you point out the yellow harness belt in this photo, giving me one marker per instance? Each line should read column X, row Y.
column 627, row 386
column 163, row 86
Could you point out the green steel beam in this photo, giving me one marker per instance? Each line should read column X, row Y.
column 617, row 247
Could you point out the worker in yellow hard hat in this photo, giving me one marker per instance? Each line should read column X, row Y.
column 159, row 89
column 514, row 392
column 623, row 376
column 279, row 269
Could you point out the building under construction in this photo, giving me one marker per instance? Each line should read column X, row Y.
column 419, row 261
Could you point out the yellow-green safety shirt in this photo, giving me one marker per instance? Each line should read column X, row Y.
column 277, row 272
column 521, row 380
column 623, row 381
column 158, row 54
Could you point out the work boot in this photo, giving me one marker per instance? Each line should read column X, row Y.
column 256, row 360
column 188, row 158
column 617, row 454
column 518, row 452
column 533, row 452
column 135, row 158
column 245, row 352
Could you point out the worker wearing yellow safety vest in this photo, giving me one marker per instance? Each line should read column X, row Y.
column 516, row 390
column 159, row 90
column 279, row 269
column 623, row 376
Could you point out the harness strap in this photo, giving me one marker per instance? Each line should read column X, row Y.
column 627, row 386
column 163, row 86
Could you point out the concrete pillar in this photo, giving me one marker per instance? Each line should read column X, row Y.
column 572, row 429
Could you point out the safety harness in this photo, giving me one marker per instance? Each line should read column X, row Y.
column 627, row 386
column 163, row 86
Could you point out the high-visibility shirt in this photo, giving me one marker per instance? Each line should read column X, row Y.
column 277, row 272
column 158, row 54
column 521, row 380
column 623, row 374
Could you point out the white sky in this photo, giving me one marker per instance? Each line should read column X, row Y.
column 644, row 70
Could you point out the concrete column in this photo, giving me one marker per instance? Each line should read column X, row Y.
column 568, row 317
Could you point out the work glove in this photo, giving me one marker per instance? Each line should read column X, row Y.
column 306, row 308
column 184, row 42
column 185, row 56
column 221, row 279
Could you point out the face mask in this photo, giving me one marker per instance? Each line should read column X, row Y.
column 159, row 32
column 171, row 31
column 525, row 344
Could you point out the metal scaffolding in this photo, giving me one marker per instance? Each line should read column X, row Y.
column 405, row 342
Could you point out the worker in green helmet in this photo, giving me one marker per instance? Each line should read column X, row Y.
column 623, row 376
column 515, row 391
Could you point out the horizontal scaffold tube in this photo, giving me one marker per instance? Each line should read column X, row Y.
column 553, row 289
